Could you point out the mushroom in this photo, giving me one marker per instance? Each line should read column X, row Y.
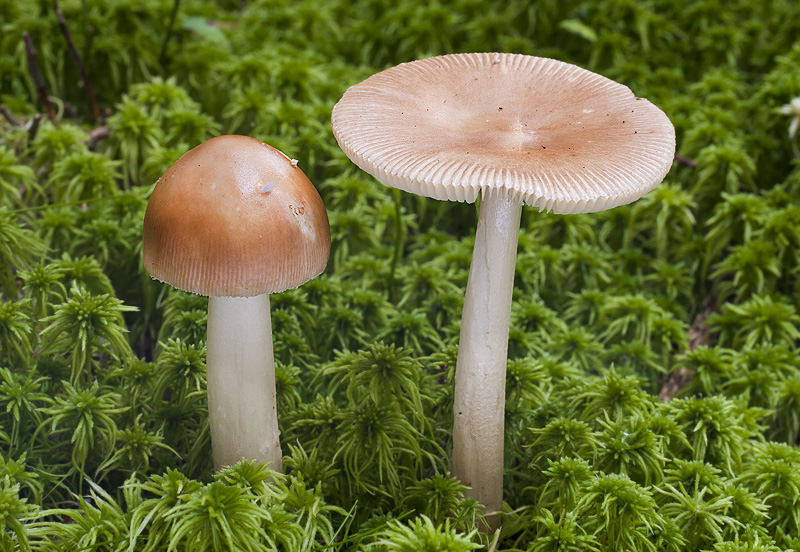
column 236, row 219
column 519, row 129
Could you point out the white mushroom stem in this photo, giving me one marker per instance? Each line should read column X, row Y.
column 240, row 371
column 480, row 377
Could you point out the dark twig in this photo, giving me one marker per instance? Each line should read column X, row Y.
column 38, row 80
column 698, row 332
column 85, row 28
column 7, row 115
column 34, row 127
column 698, row 336
column 685, row 161
column 70, row 111
column 162, row 54
column 97, row 134
column 62, row 23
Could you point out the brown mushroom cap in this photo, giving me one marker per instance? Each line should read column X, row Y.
column 235, row 217
column 554, row 135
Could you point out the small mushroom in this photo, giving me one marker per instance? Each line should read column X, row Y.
column 236, row 219
column 519, row 129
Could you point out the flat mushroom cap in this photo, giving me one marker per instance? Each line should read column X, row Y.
column 235, row 217
column 554, row 135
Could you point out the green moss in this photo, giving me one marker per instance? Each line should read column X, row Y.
column 689, row 292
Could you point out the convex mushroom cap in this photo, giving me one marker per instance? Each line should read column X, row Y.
column 235, row 217
column 553, row 135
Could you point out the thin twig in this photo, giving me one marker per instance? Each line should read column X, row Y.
column 685, row 161
column 70, row 111
column 97, row 134
column 175, row 5
column 84, row 29
column 62, row 23
column 38, row 80
column 698, row 336
column 33, row 127
column 7, row 115
column 698, row 332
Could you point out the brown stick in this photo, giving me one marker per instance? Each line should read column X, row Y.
column 8, row 116
column 36, row 74
column 97, row 134
column 698, row 335
column 162, row 54
column 34, row 127
column 685, row 161
column 62, row 23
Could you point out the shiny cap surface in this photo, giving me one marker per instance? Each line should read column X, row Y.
column 235, row 217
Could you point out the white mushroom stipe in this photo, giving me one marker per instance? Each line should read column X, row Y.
column 240, row 364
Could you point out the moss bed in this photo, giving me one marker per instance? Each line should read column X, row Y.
column 653, row 390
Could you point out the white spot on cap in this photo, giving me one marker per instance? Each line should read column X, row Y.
column 267, row 187
column 294, row 162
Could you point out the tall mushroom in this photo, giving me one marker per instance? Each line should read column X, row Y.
column 235, row 219
column 519, row 129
